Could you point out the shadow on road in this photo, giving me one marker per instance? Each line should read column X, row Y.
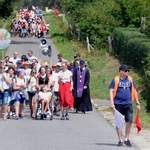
column 24, row 42
column 108, row 144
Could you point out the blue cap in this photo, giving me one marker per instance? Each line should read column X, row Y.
column 123, row 67
column 82, row 62
column 20, row 70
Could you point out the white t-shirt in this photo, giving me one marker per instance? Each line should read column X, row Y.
column 65, row 75
column 45, row 96
column 3, row 83
column 30, row 59
column 19, row 81
column 27, row 71
column 55, row 79
column 14, row 60
column 31, row 85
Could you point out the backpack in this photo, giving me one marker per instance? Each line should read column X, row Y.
column 116, row 81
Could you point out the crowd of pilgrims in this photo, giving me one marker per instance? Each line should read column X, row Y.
column 28, row 23
column 27, row 79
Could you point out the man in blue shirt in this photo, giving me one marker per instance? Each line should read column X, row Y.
column 121, row 100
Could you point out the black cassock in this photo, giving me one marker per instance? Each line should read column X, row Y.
column 83, row 102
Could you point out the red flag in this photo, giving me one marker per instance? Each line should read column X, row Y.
column 138, row 122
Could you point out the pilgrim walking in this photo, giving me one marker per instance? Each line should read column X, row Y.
column 81, row 79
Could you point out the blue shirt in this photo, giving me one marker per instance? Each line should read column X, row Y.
column 123, row 94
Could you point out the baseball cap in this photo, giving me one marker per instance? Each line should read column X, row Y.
column 123, row 67
column 82, row 62
column 54, row 65
column 20, row 70
column 45, row 63
column 58, row 64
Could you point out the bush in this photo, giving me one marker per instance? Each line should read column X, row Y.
column 133, row 48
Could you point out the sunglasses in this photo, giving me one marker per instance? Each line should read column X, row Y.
column 33, row 72
column 126, row 70
column 2, row 67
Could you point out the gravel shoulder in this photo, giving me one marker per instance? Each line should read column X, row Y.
column 142, row 139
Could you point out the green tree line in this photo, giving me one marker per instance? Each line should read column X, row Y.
column 7, row 7
column 98, row 18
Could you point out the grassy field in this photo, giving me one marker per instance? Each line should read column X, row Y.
column 102, row 66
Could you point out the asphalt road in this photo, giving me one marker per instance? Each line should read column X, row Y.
column 22, row 45
column 88, row 131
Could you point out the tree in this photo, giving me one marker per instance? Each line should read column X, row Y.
column 7, row 7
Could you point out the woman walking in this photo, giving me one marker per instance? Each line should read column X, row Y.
column 31, row 89
column 65, row 90
column 11, row 72
column 19, row 86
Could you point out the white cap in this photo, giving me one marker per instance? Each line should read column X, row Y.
column 58, row 64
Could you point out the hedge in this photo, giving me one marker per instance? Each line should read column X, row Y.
column 133, row 48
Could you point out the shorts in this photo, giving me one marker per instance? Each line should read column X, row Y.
column 5, row 98
column 20, row 99
column 32, row 95
column 24, row 31
column 127, row 111
column 12, row 103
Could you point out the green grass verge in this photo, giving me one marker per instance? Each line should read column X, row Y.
column 58, row 35
column 102, row 66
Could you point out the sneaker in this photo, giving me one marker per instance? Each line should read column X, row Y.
column 51, row 117
column 62, row 118
column 20, row 116
column 8, row 116
column 128, row 143
column 120, row 143
column 67, row 117
column 83, row 111
column 42, row 116
column 16, row 118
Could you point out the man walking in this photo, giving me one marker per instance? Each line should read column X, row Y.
column 122, row 92
column 15, row 58
column 81, row 79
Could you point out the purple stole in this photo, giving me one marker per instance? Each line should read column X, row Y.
column 80, row 81
column 72, row 70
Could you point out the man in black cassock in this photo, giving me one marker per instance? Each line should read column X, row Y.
column 81, row 78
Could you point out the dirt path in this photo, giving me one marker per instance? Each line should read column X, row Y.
column 142, row 139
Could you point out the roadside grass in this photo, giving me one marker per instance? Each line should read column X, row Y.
column 57, row 34
column 103, row 67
